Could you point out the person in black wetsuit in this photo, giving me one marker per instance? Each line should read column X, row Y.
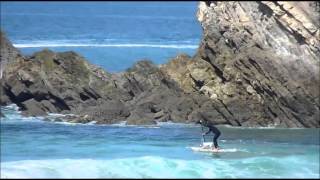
column 212, row 129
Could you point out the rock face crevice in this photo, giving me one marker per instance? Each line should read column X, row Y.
column 257, row 65
column 266, row 57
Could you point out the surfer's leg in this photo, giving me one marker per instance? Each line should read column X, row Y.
column 216, row 136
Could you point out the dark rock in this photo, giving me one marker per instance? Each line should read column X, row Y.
column 257, row 65
column 107, row 112
column 32, row 108
column 264, row 71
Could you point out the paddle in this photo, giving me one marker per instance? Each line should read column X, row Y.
column 203, row 138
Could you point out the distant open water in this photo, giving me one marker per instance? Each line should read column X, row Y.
column 113, row 35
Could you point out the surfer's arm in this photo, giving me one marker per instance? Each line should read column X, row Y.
column 207, row 132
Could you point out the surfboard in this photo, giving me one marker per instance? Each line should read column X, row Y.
column 202, row 149
column 207, row 147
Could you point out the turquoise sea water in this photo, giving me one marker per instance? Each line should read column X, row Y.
column 31, row 147
column 113, row 35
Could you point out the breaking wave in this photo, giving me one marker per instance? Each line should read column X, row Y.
column 155, row 167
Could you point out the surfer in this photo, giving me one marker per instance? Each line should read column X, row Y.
column 212, row 129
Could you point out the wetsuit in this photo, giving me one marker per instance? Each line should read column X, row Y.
column 214, row 130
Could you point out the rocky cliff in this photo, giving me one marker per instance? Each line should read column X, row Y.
column 258, row 61
column 49, row 82
column 8, row 53
column 257, row 65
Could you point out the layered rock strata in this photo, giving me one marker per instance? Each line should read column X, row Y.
column 259, row 61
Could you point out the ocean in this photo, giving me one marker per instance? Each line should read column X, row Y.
column 114, row 35
column 34, row 148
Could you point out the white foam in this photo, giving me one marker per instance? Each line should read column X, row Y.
column 11, row 106
column 159, row 167
column 120, row 124
column 136, row 167
column 75, row 123
column 267, row 127
column 67, row 123
column 60, row 115
column 123, row 124
column 175, row 124
column 91, row 123
column 53, row 44
column 12, row 114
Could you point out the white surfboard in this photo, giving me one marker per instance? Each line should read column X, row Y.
column 202, row 149
column 207, row 147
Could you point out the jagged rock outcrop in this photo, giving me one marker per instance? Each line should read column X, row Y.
column 54, row 82
column 257, row 65
column 49, row 82
column 259, row 61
